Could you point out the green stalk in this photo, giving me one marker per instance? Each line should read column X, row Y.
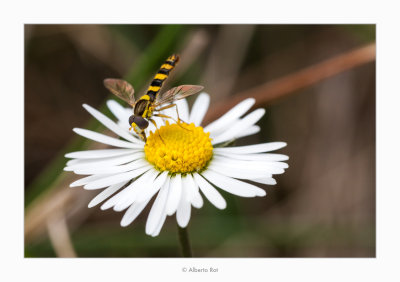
column 184, row 242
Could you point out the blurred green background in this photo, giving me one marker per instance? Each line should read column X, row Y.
column 323, row 206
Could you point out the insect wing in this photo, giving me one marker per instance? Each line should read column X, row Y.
column 121, row 88
column 177, row 93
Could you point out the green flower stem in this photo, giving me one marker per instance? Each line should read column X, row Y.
column 184, row 242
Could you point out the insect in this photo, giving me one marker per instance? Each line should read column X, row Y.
column 152, row 102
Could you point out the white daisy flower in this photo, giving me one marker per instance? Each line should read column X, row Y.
column 180, row 168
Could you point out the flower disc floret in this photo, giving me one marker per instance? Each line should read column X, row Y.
column 182, row 148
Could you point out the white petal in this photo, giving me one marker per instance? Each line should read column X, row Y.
column 157, row 210
column 253, row 157
column 130, row 193
column 159, row 224
column 72, row 162
column 183, row 211
column 258, row 148
column 248, row 131
column 175, row 192
column 114, row 179
column 98, row 137
column 252, row 162
column 87, row 180
column 230, row 116
column 131, row 213
column 199, row 108
column 190, row 186
column 210, row 192
column 156, row 185
column 112, row 169
column 268, row 181
column 243, row 124
column 104, row 162
column 125, row 126
column 105, row 194
column 114, row 199
column 127, row 196
column 96, row 154
column 76, row 163
column 197, row 200
column 183, row 110
column 256, row 166
column 232, row 185
column 118, row 111
column 237, row 172
column 111, row 125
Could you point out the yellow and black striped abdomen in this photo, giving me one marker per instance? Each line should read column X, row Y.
column 161, row 76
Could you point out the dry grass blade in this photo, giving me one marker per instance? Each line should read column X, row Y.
column 283, row 86
column 59, row 235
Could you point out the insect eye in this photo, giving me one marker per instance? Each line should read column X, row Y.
column 141, row 122
column 131, row 119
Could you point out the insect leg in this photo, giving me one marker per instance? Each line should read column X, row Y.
column 143, row 137
column 165, row 116
column 170, row 106
column 166, row 107
column 155, row 124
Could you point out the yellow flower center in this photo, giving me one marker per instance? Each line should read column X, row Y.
column 182, row 148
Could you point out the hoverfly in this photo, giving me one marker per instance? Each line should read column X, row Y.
column 152, row 102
